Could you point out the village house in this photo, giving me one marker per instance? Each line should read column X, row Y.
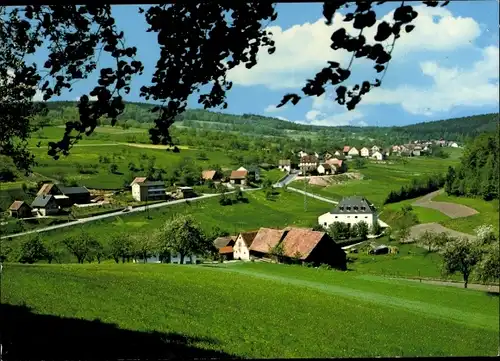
column 396, row 148
column 285, row 165
column 302, row 154
column 314, row 247
column 365, row 152
column 338, row 153
column 253, row 173
column 241, row 248
column 75, row 195
column 185, row 193
column 353, row 152
column 49, row 189
column 45, row 205
column 238, row 177
column 225, row 247
column 327, row 155
column 138, row 180
column 350, row 210
column 265, row 240
column 20, row 209
column 210, row 175
column 148, row 191
column 375, row 149
column 346, row 149
column 308, row 163
column 338, row 165
column 324, row 168
column 377, row 155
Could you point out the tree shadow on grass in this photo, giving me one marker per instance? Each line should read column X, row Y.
column 29, row 336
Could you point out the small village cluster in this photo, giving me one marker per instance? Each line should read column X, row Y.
column 334, row 162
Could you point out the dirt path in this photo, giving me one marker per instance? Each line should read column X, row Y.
column 452, row 210
column 419, row 229
column 473, row 286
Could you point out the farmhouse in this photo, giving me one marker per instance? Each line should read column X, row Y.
column 313, row 247
column 265, row 240
column 302, row 154
column 350, row 210
column 148, row 191
column 365, row 152
column 346, row 149
column 308, row 163
column 325, row 168
column 211, row 175
column 338, row 165
column 375, row 149
column 242, row 245
column 225, row 247
column 285, row 165
column 49, row 189
column 185, row 192
column 353, row 152
column 238, row 177
column 45, row 205
column 20, row 209
column 377, row 155
column 80, row 195
column 138, row 180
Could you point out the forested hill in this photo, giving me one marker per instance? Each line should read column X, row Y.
column 138, row 114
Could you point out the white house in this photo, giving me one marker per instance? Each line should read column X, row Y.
column 350, row 210
column 353, row 152
column 365, row 152
column 285, row 165
column 325, row 168
column 377, row 156
column 375, row 149
column 302, row 154
column 148, row 191
column 241, row 248
column 453, row 145
column 242, row 169
column 190, row 259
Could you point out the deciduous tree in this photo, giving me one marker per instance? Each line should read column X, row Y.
column 32, row 250
column 460, row 256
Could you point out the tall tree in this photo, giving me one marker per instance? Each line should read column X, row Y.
column 182, row 235
column 460, row 256
column 199, row 44
column 32, row 250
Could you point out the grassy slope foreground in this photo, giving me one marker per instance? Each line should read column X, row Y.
column 249, row 310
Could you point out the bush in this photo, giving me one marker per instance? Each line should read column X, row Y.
column 32, row 250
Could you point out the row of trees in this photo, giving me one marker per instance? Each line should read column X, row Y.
column 181, row 235
column 472, row 258
column 477, row 175
column 340, row 231
column 417, row 187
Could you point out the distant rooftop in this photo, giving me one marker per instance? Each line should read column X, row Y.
column 354, row 204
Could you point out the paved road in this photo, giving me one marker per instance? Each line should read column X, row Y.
column 119, row 213
column 287, row 180
column 313, row 195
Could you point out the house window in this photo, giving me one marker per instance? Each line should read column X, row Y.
column 366, row 216
column 325, row 222
column 341, row 208
column 336, row 216
column 355, row 216
column 355, row 208
column 363, row 208
column 348, row 208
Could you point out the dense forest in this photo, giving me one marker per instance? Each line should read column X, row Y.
column 139, row 115
column 477, row 173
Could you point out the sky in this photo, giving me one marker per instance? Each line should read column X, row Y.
column 447, row 67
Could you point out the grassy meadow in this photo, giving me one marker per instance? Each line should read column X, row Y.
column 379, row 179
column 488, row 213
column 250, row 310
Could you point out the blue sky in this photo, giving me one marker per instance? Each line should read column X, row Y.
column 447, row 67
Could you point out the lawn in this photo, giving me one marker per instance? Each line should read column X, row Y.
column 248, row 310
column 379, row 179
column 424, row 215
column 488, row 213
column 412, row 261
column 121, row 155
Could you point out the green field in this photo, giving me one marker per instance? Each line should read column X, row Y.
column 424, row 215
column 488, row 213
column 379, row 179
column 250, row 310
column 285, row 210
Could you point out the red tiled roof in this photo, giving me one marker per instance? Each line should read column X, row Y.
column 267, row 238
column 138, row 180
column 238, row 174
column 346, row 148
column 221, row 242
column 248, row 237
column 226, row 250
column 302, row 241
column 16, row 205
column 208, row 174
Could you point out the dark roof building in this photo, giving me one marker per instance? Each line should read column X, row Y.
column 354, row 205
column 68, row 191
column 42, row 201
column 221, row 242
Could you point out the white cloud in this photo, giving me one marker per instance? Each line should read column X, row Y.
column 316, row 117
column 301, row 50
column 91, row 98
column 271, row 108
column 472, row 86
column 38, row 97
